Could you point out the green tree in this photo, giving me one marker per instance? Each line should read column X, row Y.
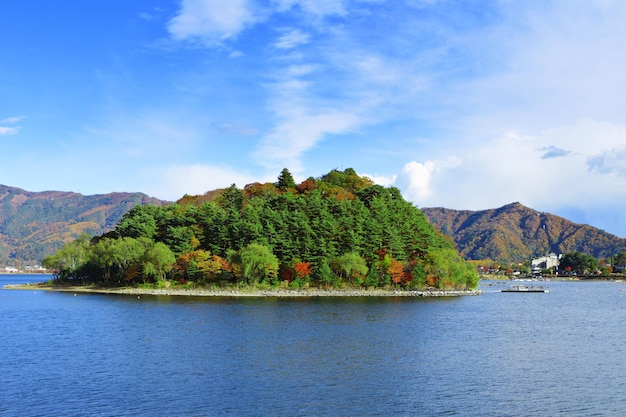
column 450, row 270
column 140, row 221
column 70, row 259
column 578, row 262
column 212, row 225
column 285, row 180
column 104, row 254
column 232, row 198
column 324, row 275
column 256, row 263
column 618, row 259
column 351, row 267
column 418, row 276
column 348, row 180
column 372, row 279
column 128, row 254
column 382, row 266
column 158, row 261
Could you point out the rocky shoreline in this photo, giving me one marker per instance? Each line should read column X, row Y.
column 248, row 293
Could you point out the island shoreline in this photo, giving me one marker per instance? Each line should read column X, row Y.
column 309, row 292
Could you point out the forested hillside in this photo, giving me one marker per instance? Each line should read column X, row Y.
column 515, row 233
column 34, row 225
column 338, row 229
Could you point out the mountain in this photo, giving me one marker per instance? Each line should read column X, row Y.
column 34, row 225
column 515, row 233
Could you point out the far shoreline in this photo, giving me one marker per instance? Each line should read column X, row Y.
column 309, row 292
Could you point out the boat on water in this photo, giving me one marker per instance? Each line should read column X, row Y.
column 526, row 288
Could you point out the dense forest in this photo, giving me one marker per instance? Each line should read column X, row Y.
column 338, row 230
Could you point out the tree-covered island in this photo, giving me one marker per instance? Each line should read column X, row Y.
column 336, row 231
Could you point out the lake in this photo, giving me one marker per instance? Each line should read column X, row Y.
column 498, row 354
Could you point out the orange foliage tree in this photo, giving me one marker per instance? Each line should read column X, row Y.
column 303, row 269
column 396, row 270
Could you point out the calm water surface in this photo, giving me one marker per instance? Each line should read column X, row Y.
column 499, row 354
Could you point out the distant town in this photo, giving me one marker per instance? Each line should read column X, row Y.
column 36, row 269
column 551, row 265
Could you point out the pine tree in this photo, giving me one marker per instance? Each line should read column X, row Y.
column 285, row 180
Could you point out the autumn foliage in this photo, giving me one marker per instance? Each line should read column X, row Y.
column 339, row 229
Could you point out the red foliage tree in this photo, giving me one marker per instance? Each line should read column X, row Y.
column 306, row 186
column 303, row 269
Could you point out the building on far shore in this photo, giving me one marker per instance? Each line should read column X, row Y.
column 36, row 269
column 551, row 261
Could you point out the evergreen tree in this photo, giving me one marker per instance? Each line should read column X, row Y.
column 285, row 180
column 232, row 198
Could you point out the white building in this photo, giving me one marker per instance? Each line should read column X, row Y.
column 550, row 261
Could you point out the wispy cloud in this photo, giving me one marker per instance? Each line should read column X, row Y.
column 211, row 21
column 314, row 7
column 552, row 152
column 12, row 120
column 236, row 54
column 151, row 14
column 10, row 130
column 195, row 179
column 299, row 132
column 6, row 131
column 321, row 85
column 612, row 161
column 291, row 39
column 237, row 129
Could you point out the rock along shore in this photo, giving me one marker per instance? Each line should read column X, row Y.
column 309, row 292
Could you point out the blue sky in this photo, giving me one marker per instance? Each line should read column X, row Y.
column 461, row 104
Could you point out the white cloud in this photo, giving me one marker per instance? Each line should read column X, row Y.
column 197, row 179
column 544, row 64
column 315, row 7
column 10, row 130
column 292, row 39
column 612, row 161
column 211, row 21
column 298, row 133
column 6, row 131
column 416, row 178
column 513, row 167
column 302, row 117
column 237, row 129
column 381, row 179
column 12, row 120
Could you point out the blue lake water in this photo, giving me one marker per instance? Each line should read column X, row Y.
column 498, row 354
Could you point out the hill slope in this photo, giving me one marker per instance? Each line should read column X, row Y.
column 34, row 225
column 515, row 232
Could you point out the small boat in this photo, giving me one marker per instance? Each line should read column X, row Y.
column 525, row 288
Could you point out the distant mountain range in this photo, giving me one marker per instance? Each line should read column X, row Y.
column 516, row 233
column 34, row 225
